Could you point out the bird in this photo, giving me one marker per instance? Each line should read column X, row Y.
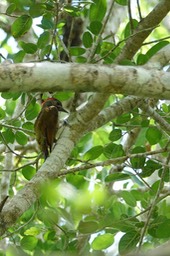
column 47, row 124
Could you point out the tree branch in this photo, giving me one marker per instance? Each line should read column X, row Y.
column 130, row 80
column 123, row 106
column 109, row 162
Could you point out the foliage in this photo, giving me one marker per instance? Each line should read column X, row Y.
column 112, row 181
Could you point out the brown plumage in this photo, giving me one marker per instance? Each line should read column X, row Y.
column 46, row 124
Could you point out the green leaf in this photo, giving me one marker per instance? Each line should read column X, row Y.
column 122, row 2
column 100, row 137
column 154, row 188
column 116, row 134
column 128, row 197
column 18, row 57
column 32, row 111
column 72, row 11
column 145, row 123
column 107, row 46
column 113, row 150
column 48, row 216
column 128, row 242
column 47, row 22
column 95, row 27
column 138, row 195
column 16, row 95
column 138, row 162
column 10, row 95
column 28, row 126
column 156, row 48
column 149, row 168
column 43, row 39
column 2, row 114
column 16, row 122
column 49, row 235
column 49, row 194
column 28, row 47
column 153, row 135
column 21, row 138
column 62, row 96
column 165, row 107
column 45, row 51
column 32, row 231
column 93, row 153
column 118, row 209
column 126, row 225
column 10, row 107
column 128, row 31
column 123, row 118
column 88, row 227
column 166, row 177
column 81, row 59
column 87, row 39
column 98, row 10
column 28, row 172
column 163, row 230
column 49, row 6
column 7, row 95
column 21, row 25
column 29, row 242
column 102, row 242
column 37, row 9
column 11, row 8
column 117, row 177
column 67, row 216
column 77, row 51
column 160, row 227
column 9, row 136
column 76, row 180
column 142, row 59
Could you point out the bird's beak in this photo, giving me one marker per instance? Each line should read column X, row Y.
column 63, row 110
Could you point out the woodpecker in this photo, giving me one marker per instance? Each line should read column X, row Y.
column 47, row 124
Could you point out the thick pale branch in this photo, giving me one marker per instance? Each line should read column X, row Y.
column 129, row 80
column 123, row 106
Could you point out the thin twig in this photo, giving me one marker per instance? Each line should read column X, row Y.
column 155, row 41
column 3, row 203
column 130, row 17
column 10, row 149
column 9, row 15
column 109, row 162
column 21, row 167
column 17, row 128
column 144, row 181
column 139, row 10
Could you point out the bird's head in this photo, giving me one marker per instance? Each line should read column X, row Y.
column 53, row 102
